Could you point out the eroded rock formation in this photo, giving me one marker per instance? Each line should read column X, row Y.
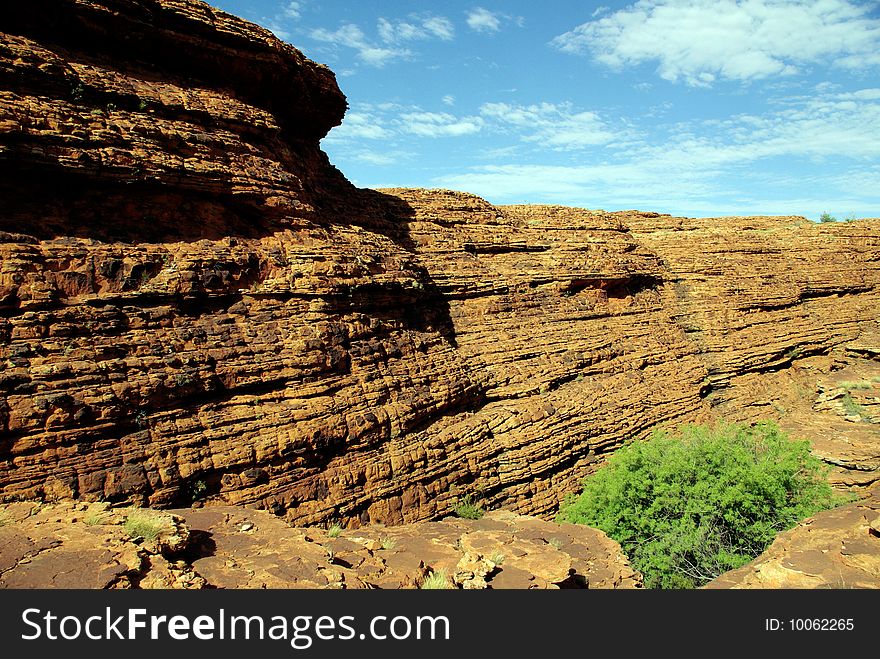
column 194, row 304
column 81, row 545
column 837, row 548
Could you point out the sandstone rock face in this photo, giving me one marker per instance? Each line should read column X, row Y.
column 837, row 548
column 90, row 546
column 80, row 545
column 195, row 305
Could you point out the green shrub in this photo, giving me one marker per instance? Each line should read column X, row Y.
column 467, row 509
column 334, row 531
column 825, row 217
column 690, row 507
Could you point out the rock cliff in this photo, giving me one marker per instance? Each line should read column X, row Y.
column 195, row 305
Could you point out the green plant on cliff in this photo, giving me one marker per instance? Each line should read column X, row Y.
column 827, row 217
column 688, row 507
column 851, row 407
column 467, row 509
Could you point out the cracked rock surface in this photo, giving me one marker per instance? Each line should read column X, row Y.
column 75, row 545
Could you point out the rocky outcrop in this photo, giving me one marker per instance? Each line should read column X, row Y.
column 837, row 548
column 195, row 305
column 93, row 546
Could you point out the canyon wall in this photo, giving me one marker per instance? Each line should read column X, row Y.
column 196, row 305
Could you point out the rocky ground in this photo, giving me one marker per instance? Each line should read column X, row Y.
column 78, row 545
column 837, row 548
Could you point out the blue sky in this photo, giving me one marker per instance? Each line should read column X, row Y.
column 689, row 107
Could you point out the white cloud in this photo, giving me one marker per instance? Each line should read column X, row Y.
column 426, row 27
column 439, row 124
column 391, row 35
column 359, row 125
column 483, row 20
column 559, row 127
column 292, row 10
column 381, row 158
column 449, row 99
column 698, row 166
column 351, row 36
column 440, row 27
column 699, row 41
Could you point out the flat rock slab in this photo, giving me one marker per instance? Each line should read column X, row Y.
column 837, row 548
column 52, row 547
column 241, row 548
column 77, row 545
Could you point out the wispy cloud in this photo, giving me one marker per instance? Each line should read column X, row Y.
column 701, row 41
column 703, row 164
column 286, row 13
column 351, row 36
column 439, row 124
column 292, row 9
column 391, row 37
column 359, row 126
column 558, row 126
column 483, row 20
column 417, row 28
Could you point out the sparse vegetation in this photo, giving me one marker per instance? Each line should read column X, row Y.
column 436, row 581
column 97, row 518
column 555, row 543
column 145, row 524
column 851, row 407
column 854, row 384
column 793, row 353
column 334, row 531
column 467, row 509
column 183, row 379
column 198, row 490
column 688, row 507
column 388, row 543
column 77, row 92
column 826, row 217
column 497, row 558
column 142, row 419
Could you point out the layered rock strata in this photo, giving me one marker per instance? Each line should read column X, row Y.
column 195, row 305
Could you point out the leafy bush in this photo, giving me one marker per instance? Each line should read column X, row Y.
column 690, row 507
column 467, row 509
column 826, row 217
